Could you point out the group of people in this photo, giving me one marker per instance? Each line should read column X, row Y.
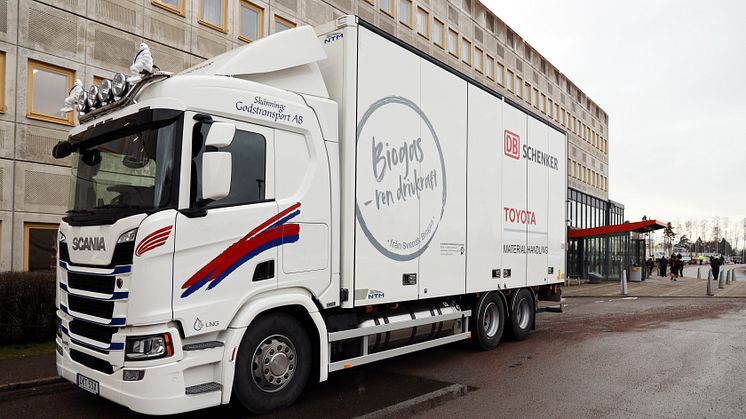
column 676, row 265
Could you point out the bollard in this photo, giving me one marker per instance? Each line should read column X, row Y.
column 624, row 282
column 710, row 287
column 699, row 273
column 721, row 280
column 733, row 278
column 727, row 277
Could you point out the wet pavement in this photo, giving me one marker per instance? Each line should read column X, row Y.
column 602, row 357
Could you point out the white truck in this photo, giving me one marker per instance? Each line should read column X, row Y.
column 316, row 200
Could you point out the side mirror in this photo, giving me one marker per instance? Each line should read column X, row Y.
column 216, row 175
column 220, row 135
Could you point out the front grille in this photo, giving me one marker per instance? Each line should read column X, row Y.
column 92, row 331
column 91, row 307
column 123, row 253
column 103, row 284
column 91, row 362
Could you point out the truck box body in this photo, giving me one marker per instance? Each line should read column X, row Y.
column 446, row 188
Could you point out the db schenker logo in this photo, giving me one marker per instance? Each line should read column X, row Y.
column 512, row 144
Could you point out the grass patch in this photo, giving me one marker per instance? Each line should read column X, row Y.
column 24, row 350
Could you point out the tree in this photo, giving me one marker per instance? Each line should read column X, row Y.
column 684, row 243
column 716, row 231
column 669, row 235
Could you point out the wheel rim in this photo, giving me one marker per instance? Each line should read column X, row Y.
column 491, row 319
column 523, row 313
column 274, row 363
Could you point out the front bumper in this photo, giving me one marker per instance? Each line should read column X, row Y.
column 162, row 390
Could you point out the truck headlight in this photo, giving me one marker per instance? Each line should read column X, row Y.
column 119, row 85
column 104, row 91
column 93, row 96
column 141, row 348
column 127, row 236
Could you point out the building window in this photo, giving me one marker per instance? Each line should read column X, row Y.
column 544, row 103
column 2, row 81
column 518, row 86
column 282, row 24
column 500, row 73
column 251, row 21
column 39, row 247
column 212, row 14
column 387, row 6
column 453, row 42
column 423, row 23
column 556, row 112
column 535, row 98
column 405, row 12
column 489, row 67
column 465, row 51
column 511, row 81
column 527, row 90
column 439, row 33
column 477, row 59
column 48, row 86
column 174, row 6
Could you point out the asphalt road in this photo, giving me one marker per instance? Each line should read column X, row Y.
column 646, row 357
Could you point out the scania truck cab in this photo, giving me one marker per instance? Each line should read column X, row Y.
column 217, row 243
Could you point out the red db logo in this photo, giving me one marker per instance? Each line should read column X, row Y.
column 512, row 144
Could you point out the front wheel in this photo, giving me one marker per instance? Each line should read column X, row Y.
column 489, row 321
column 522, row 316
column 273, row 364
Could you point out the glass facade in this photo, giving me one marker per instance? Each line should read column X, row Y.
column 601, row 255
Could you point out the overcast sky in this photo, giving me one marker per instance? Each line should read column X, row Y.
column 672, row 77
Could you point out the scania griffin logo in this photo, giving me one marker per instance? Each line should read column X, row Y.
column 89, row 243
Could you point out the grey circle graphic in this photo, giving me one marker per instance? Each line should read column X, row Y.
column 398, row 100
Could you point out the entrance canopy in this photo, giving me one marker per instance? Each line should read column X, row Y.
column 637, row 227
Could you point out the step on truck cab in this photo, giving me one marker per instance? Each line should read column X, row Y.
column 316, row 200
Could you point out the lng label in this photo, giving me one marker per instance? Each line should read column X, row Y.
column 401, row 176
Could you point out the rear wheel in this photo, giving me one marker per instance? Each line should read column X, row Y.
column 489, row 321
column 522, row 316
column 273, row 364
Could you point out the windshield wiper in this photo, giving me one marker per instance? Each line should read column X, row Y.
column 79, row 211
column 120, row 206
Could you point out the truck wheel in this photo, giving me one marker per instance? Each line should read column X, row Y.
column 522, row 316
column 489, row 321
column 273, row 364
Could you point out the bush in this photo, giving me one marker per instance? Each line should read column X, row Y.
column 27, row 311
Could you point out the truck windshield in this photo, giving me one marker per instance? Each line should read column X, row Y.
column 120, row 175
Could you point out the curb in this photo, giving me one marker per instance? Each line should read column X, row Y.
column 419, row 403
column 30, row 384
column 655, row 296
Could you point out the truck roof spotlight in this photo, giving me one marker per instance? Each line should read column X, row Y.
column 119, row 85
column 83, row 102
column 93, row 96
column 104, row 91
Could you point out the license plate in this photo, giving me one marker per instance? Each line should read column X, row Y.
column 87, row 384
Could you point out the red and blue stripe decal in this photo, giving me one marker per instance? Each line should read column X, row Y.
column 274, row 232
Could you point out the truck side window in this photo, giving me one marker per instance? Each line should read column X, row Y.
column 249, row 152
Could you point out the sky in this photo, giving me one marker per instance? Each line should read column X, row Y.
column 672, row 77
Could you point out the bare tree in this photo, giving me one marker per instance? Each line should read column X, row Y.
column 703, row 229
column 717, row 232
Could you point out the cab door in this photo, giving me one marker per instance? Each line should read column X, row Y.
column 225, row 250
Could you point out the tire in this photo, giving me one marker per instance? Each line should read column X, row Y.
column 522, row 315
column 281, row 344
column 488, row 321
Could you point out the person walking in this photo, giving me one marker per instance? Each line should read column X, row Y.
column 674, row 267
column 681, row 265
column 662, row 263
column 715, row 262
